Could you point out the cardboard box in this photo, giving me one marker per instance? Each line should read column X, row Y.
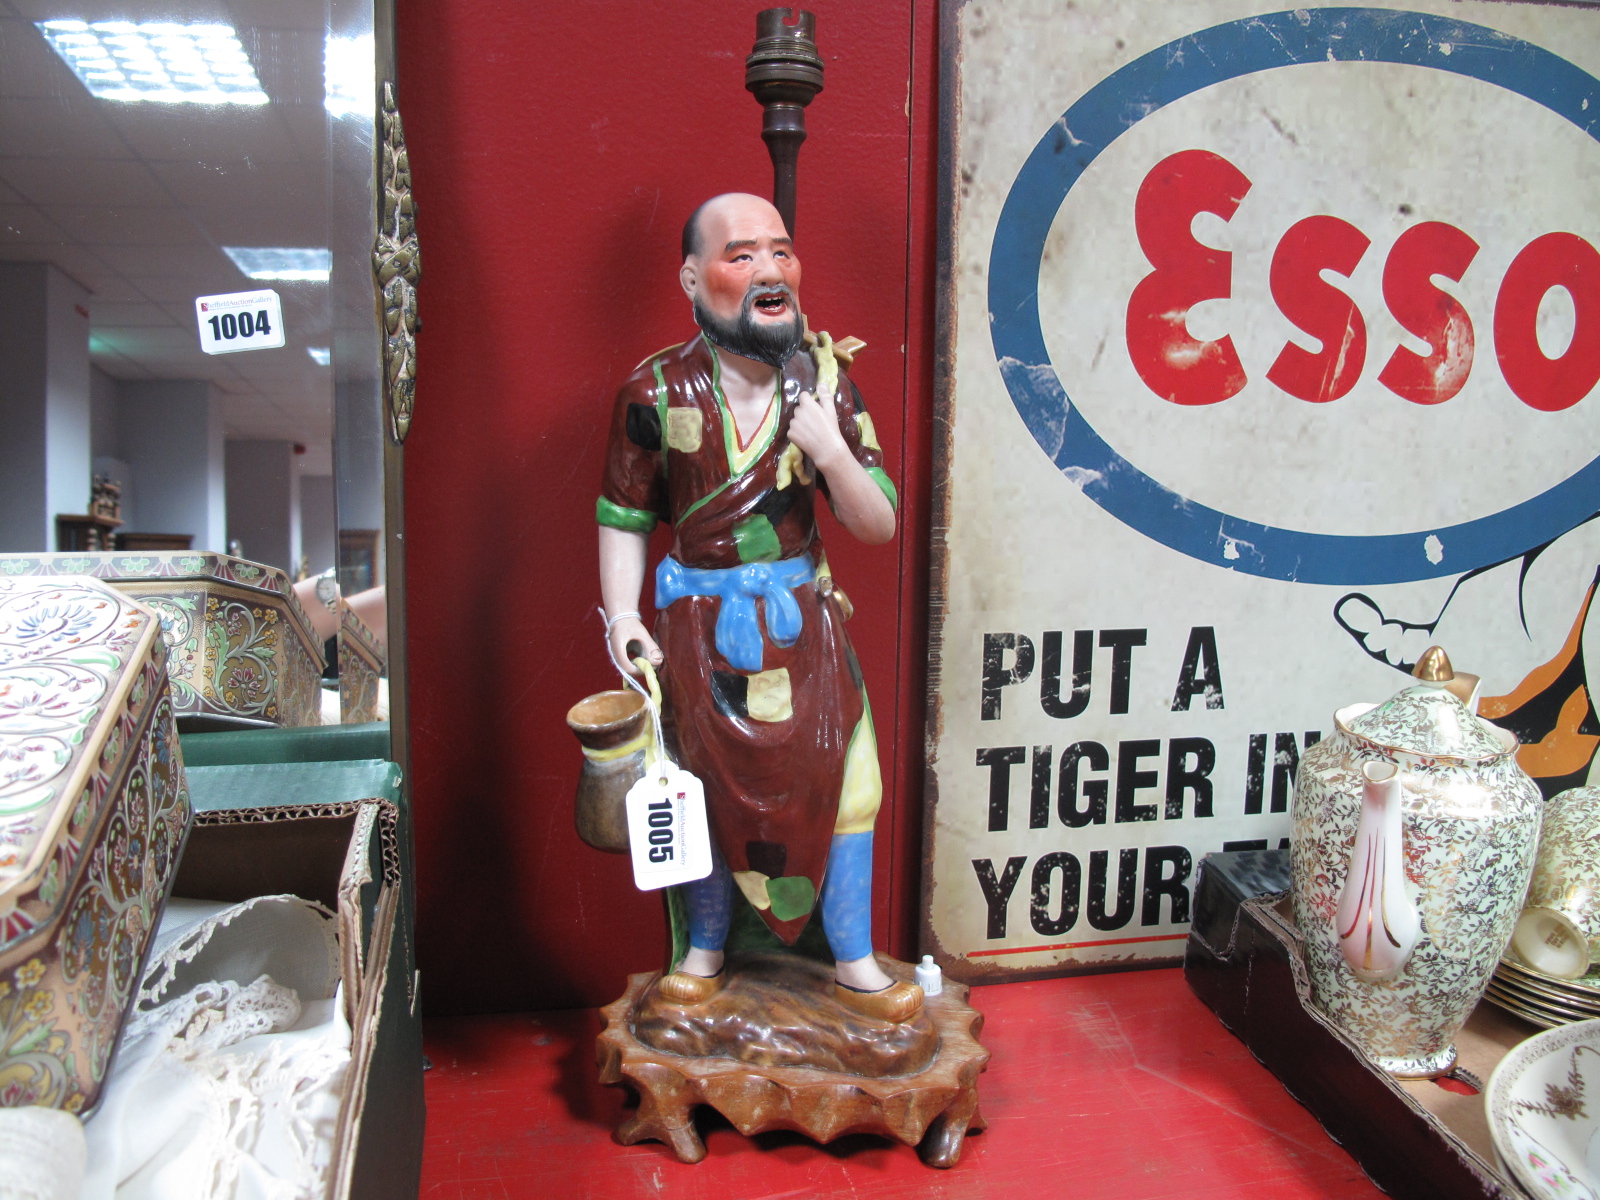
column 331, row 832
column 1416, row 1139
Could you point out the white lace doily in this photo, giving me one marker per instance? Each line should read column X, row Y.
column 228, row 1078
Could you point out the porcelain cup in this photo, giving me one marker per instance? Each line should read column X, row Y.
column 1559, row 930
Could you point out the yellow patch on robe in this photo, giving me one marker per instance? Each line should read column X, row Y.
column 869, row 436
column 768, row 697
column 684, row 429
column 754, row 886
column 792, row 466
column 862, row 792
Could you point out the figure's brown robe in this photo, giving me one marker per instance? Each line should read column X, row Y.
column 772, row 786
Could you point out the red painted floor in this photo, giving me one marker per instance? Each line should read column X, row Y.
column 1105, row 1086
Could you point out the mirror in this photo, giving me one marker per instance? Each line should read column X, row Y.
column 188, row 320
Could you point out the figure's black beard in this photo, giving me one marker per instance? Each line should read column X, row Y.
column 771, row 344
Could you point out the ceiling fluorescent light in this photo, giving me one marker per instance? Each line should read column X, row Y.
column 303, row 264
column 349, row 76
column 319, row 355
column 158, row 61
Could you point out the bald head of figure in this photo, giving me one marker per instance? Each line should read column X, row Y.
column 740, row 272
column 737, row 205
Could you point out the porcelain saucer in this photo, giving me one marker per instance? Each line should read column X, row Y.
column 1543, row 1103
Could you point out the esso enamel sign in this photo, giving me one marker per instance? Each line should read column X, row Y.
column 1271, row 359
column 1302, row 236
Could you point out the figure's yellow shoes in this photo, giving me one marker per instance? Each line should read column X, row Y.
column 680, row 987
column 896, row 1003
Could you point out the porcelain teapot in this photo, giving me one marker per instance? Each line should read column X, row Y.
column 1414, row 839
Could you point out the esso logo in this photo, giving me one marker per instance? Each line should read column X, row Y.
column 1180, row 368
column 1316, row 295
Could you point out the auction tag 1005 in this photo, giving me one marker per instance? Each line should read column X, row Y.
column 667, row 831
column 240, row 321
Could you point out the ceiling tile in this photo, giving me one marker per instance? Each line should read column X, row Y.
column 294, row 225
column 78, row 262
column 32, row 68
column 108, row 225
column 60, row 180
column 25, row 225
column 109, row 314
column 135, row 200
column 170, row 261
column 115, row 289
column 72, row 126
column 200, row 133
column 255, row 185
column 123, row 10
column 219, row 279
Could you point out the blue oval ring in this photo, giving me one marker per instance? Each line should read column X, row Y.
column 1119, row 102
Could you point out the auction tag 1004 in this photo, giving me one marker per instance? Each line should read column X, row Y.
column 240, row 321
column 667, row 831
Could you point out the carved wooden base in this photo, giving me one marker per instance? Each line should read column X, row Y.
column 933, row 1109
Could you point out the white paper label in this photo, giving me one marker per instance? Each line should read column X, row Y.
column 240, row 321
column 667, row 831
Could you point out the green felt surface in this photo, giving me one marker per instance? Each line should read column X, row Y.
column 314, row 743
column 273, row 785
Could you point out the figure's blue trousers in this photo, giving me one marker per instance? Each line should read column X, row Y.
column 846, row 900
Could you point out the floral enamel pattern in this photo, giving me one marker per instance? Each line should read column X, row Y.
column 1471, row 827
column 94, row 832
column 361, row 665
column 240, row 650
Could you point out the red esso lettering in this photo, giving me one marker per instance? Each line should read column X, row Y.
column 1172, row 364
column 1554, row 260
column 1319, row 308
column 1185, row 371
column 1425, row 311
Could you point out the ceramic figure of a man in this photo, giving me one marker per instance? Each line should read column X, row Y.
column 728, row 437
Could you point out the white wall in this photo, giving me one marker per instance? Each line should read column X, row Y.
column 44, row 403
column 318, row 540
column 170, row 432
column 262, row 490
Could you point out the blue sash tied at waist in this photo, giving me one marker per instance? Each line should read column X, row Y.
column 738, row 628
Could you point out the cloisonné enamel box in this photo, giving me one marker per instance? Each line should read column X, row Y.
column 94, row 811
column 361, row 666
column 240, row 650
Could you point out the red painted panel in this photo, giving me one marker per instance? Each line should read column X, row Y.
column 556, row 150
column 1120, row 1086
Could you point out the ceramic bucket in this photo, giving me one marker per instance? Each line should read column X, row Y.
column 614, row 730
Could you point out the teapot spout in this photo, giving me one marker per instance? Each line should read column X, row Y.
column 1377, row 925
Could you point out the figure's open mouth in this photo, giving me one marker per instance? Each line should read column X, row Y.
column 773, row 304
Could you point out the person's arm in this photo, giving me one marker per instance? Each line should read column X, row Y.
column 623, row 556
column 857, row 499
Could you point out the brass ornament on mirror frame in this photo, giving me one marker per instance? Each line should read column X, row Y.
column 396, row 266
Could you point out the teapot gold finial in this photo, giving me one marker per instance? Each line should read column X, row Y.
column 1433, row 666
